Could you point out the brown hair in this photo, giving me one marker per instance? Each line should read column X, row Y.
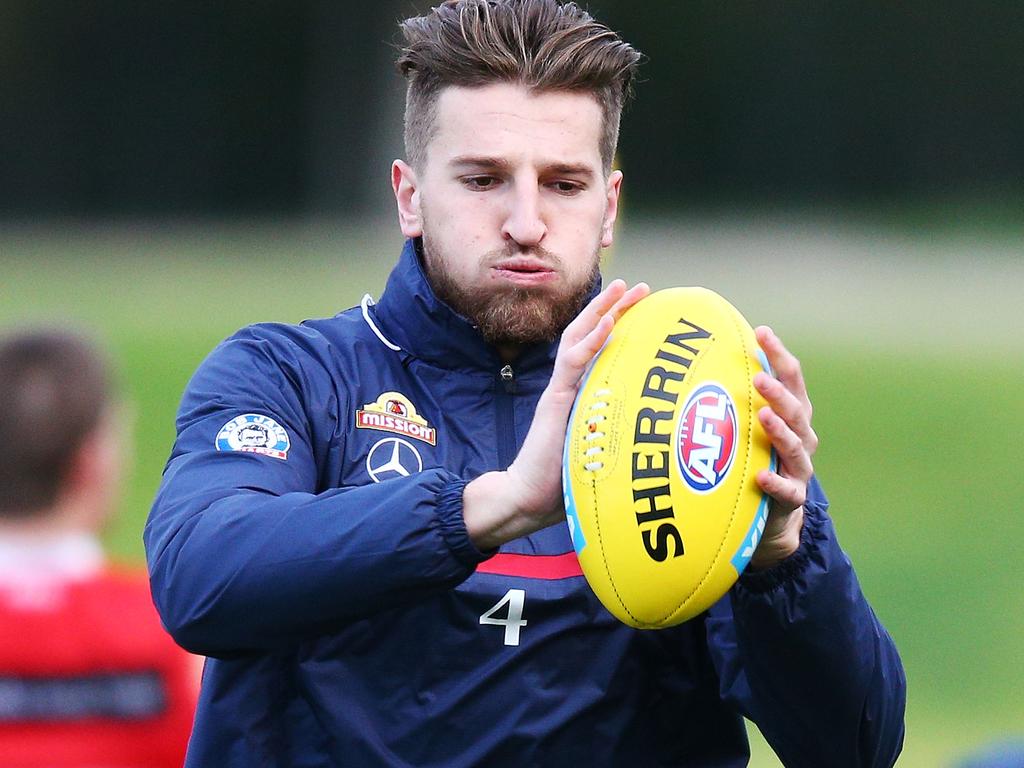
column 545, row 45
column 54, row 389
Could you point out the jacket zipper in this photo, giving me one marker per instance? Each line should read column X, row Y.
column 505, row 389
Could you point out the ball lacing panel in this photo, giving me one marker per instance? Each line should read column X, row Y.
column 594, row 432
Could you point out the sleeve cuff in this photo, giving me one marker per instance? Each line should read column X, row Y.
column 453, row 525
column 811, row 535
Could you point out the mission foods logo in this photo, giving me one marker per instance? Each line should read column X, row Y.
column 707, row 437
column 392, row 412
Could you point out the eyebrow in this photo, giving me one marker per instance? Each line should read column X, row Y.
column 478, row 161
column 487, row 161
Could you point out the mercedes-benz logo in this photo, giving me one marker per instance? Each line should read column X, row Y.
column 393, row 457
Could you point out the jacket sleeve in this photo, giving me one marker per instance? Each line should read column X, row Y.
column 800, row 652
column 250, row 551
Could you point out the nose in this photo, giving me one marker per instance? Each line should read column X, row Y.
column 524, row 220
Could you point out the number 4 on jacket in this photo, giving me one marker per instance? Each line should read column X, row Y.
column 514, row 599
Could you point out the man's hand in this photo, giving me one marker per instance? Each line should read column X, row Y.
column 787, row 420
column 501, row 506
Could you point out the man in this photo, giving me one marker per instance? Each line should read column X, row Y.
column 386, row 579
column 88, row 677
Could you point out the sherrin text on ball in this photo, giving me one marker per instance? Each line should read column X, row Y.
column 661, row 457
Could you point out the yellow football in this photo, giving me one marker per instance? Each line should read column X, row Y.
column 661, row 454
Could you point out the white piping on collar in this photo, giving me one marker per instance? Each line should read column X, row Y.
column 366, row 303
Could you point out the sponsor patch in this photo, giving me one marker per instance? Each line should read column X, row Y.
column 393, row 457
column 254, row 433
column 392, row 412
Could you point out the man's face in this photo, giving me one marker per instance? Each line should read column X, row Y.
column 513, row 207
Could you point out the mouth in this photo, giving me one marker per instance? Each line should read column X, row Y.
column 524, row 271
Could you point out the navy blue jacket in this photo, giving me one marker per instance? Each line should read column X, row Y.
column 308, row 538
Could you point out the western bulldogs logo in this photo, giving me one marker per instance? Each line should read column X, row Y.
column 397, row 408
column 707, row 437
column 254, row 433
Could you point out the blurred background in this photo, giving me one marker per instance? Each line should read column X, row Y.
column 851, row 173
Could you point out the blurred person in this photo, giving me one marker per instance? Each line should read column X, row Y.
column 88, row 677
column 361, row 520
column 1008, row 753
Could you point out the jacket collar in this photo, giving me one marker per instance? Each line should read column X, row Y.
column 411, row 317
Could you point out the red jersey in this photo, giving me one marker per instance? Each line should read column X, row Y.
column 88, row 676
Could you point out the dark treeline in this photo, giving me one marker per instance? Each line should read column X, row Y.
column 120, row 107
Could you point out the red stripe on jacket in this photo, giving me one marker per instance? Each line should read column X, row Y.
column 533, row 566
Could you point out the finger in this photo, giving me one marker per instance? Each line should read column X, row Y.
column 629, row 298
column 784, row 363
column 591, row 344
column 583, row 351
column 585, row 336
column 796, row 413
column 592, row 313
column 571, row 360
column 794, row 459
column 782, row 401
column 787, row 494
column 612, row 301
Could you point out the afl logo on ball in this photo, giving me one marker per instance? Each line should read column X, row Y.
column 707, row 437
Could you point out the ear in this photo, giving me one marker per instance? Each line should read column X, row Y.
column 611, row 211
column 407, row 196
column 92, row 483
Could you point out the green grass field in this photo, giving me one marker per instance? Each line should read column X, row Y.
column 913, row 368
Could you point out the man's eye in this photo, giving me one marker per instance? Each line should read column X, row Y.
column 480, row 182
column 567, row 187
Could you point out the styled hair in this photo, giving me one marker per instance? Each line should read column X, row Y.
column 54, row 388
column 544, row 45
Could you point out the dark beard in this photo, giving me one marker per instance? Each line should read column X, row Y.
column 513, row 316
